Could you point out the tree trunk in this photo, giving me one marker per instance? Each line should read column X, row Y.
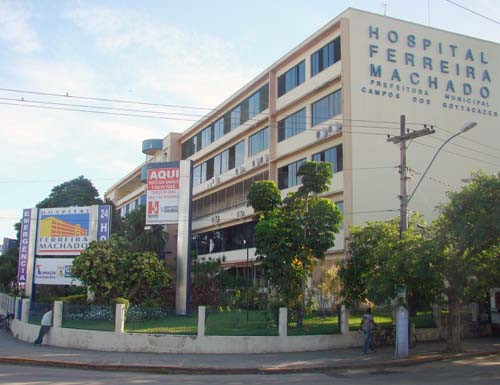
column 454, row 325
column 300, row 313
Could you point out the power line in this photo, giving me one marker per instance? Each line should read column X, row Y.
column 467, row 148
column 457, row 154
column 474, row 12
column 470, row 140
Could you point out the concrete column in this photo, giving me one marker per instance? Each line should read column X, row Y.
column 25, row 311
column 344, row 320
column 57, row 314
column 119, row 318
column 283, row 322
column 201, row 321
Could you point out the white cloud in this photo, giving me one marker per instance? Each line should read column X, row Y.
column 197, row 69
column 15, row 28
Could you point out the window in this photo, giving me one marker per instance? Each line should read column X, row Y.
column 239, row 156
column 218, row 128
column 206, row 136
column 254, row 105
column 332, row 155
column 264, row 97
column 292, row 125
column 325, row 56
column 292, row 78
column 287, row 176
column 235, row 117
column 197, row 175
column 340, row 205
column 326, row 108
column 258, row 142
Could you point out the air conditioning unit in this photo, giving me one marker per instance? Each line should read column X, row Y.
column 335, row 127
column 256, row 162
column 215, row 219
column 266, row 158
column 239, row 170
column 216, row 180
column 321, row 134
column 240, row 213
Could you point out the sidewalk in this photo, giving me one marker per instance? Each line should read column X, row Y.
column 19, row 352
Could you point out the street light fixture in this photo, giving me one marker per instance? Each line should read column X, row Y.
column 401, row 347
column 465, row 128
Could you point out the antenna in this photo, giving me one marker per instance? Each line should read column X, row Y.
column 384, row 4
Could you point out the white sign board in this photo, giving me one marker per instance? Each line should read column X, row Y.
column 162, row 194
column 54, row 271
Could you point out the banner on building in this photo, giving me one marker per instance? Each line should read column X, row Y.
column 24, row 240
column 54, row 271
column 162, row 198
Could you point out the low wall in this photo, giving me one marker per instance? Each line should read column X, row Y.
column 163, row 343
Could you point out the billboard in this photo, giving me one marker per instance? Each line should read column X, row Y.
column 162, row 198
column 69, row 230
column 54, row 271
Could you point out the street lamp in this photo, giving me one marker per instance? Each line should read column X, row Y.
column 402, row 317
column 465, row 128
column 247, row 275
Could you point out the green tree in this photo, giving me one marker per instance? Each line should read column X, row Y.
column 291, row 235
column 134, row 229
column 380, row 263
column 8, row 265
column 467, row 246
column 77, row 192
column 110, row 269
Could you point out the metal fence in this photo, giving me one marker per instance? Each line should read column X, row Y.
column 315, row 323
column 89, row 317
column 222, row 321
column 7, row 303
column 37, row 310
column 140, row 319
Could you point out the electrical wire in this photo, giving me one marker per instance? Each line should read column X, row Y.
column 473, row 12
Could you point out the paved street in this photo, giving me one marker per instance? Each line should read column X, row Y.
column 480, row 371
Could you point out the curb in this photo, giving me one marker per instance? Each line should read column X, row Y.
column 417, row 360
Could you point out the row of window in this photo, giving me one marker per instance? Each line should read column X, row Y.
column 287, row 175
column 220, row 163
column 226, row 239
column 320, row 60
column 124, row 210
column 246, row 110
column 321, row 110
column 229, row 197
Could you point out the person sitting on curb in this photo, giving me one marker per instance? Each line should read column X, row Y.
column 367, row 325
column 46, row 323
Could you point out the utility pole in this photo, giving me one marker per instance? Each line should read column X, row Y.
column 402, row 313
column 401, row 139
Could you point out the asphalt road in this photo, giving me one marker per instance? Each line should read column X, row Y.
column 479, row 371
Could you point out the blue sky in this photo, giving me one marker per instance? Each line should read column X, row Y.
column 191, row 53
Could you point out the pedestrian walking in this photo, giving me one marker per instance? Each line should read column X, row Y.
column 367, row 325
column 46, row 324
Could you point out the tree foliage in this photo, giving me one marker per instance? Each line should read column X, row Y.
column 77, row 192
column 290, row 236
column 380, row 263
column 111, row 270
column 467, row 246
column 133, row 228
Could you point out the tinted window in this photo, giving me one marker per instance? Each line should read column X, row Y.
column 291, row 79
column 287, row 175
column 325, row 56
column 258, row 142
column 333, row 155
column 326, row 108
column 292, row 125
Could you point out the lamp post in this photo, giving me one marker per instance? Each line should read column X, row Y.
column 465, row 128
column 247, row 276
column 403, row 321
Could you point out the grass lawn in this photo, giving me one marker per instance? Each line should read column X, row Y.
column 168, row 325
column 105, row 326
column 234, row 323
